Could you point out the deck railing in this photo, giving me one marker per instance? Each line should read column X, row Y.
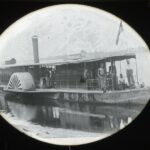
column 91, row 84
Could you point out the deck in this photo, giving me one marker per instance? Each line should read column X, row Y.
column 69, row 90
column 138, row 95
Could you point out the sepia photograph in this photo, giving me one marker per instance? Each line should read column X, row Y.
column 72, row 74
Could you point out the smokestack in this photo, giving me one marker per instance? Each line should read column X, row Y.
column 35, row 48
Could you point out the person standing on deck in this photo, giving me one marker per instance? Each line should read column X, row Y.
column 85, row 74
column 42, row 78
column 50, row 76
column 47, row 78
column 53, row 82
column 87, row 77
column 122, row 84
column 113, row 74
column 102, row 78
column 130, row 78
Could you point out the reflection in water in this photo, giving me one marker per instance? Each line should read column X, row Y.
column 83, row 116
column 22, row 111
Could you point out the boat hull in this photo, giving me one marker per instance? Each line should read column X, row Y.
column 82, row 110
column 130, row 96
column 136, row 96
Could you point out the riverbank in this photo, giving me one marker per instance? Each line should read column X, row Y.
column 53, row 135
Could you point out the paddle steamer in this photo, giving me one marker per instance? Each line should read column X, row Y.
column 62, row 79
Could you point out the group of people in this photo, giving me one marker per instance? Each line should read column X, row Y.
column 47, row 77
column 105, row 80
column 109, row 80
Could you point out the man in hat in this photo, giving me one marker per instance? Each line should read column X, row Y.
column 130, row 78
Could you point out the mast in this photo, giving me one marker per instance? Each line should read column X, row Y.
column 119, row 32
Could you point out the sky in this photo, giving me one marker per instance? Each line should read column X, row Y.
column 65, row 30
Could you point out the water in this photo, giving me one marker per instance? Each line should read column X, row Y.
column 53, row 120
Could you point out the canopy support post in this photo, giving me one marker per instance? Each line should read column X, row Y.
column 120, row 68
column 112, row 74
column 136, row 71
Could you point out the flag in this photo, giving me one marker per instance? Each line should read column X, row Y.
column 119, row 32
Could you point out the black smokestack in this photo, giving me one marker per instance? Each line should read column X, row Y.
column 35, row 49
